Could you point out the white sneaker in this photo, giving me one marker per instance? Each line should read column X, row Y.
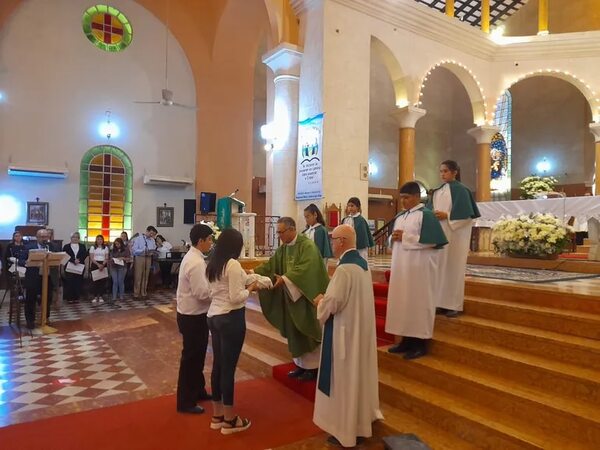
column 95, row 300
column 100, row 300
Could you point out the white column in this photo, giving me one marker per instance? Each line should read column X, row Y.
column 284, row 61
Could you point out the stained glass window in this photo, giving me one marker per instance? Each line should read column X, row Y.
column 105, row 193
column 500, row 149
column 107, row 28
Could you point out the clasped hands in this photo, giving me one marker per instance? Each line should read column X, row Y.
column 441, row 215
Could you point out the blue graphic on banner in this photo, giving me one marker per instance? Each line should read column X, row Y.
column 309, row 165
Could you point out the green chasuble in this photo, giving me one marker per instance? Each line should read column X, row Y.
column 296, row 321
column 463, row 203
column 364, row 238
column 322, row 242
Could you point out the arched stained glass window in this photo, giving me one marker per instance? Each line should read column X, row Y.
column 500, row 149
column 105, row 193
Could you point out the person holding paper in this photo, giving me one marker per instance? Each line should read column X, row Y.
column 16, row 252
column 144, row 246
column 74, row 268
column 33, row 278
column 98, row 262
column 119, row 258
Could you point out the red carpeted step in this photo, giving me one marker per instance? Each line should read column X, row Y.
column 381, row 334
column 305, row 388
column 388, row 273
column 380, row 289
column 380, row 306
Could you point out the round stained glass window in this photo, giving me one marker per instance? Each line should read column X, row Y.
column 107, row 28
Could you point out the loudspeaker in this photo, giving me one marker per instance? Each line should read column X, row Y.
column 189, row 210
column 208, row 202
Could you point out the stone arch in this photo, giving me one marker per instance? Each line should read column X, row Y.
column 586, row 90
column 469, row 82
column 399, row 79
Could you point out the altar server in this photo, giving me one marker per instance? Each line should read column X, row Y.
column 454, row 206
column 364, row 238
column 416, row 241
column 316, row 230
column 347, row 396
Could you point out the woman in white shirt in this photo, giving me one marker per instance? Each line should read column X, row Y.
column 98, row 261
column 163, row 247
column 229, row 287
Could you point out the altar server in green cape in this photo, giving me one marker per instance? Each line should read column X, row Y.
column 416, row 241
column 364, row 238
column 454, row 206
column 317, row 231
column 299, row 276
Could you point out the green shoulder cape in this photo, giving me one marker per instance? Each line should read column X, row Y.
column 296, row 321
column 463, row 203
column 322, row 242
column 431, row 230
column 364, row 238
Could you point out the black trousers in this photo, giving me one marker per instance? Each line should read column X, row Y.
column 99, row 286
column 33, row 287
column 191, row 383
column 165, row 273
column 73, row 285
column 228, row 332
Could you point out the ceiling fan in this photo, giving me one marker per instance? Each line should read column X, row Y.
column 166, row 93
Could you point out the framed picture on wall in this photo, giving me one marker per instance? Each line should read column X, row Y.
column 165, row 216
column 37, row 213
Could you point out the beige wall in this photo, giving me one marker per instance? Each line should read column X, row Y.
column 550, row 119
column 564, row 16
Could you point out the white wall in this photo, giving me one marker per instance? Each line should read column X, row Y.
column 57, row 87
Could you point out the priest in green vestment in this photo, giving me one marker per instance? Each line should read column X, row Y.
column 299, row 276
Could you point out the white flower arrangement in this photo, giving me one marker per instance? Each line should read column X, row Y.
column 214, row 227
column 532, row 185
column 535, row 235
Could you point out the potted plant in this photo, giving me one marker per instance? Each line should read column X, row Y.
column 536, row 235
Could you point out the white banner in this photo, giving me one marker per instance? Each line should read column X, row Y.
column 309, row 161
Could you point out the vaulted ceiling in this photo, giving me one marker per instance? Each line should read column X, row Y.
column 470, row 10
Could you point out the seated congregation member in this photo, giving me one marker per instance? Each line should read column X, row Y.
column 347, row 396
column 193, row 301
column 120, row 257
column 163, row 247
column 74, row 281
column 364, row 238
column 99, row 253
column 33, row 278
column 230, row 287
column 317, row 231
column 455, row 208
column 300, row 275
column 416, row 241
column 143, row 248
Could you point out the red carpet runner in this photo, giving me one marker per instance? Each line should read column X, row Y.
column 278, row 417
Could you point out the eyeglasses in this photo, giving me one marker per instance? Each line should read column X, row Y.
column 282, row 231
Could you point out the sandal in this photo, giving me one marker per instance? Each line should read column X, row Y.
column 235, row 425
column 217, row 422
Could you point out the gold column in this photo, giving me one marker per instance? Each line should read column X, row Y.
column 484, row 162
column 597, row 173
column 485, row 16
column 543, row 17
column 450, row 8
column 406, row 156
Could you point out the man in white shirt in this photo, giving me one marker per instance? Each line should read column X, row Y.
column 192, row 305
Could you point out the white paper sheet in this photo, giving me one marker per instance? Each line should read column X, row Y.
column 99, row 274
column 75, row 268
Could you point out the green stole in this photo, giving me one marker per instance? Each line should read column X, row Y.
column 296, row 321
column 322, row 242
column 324, row 382
column 431, row 230
column 364, row 238
column 463, row 203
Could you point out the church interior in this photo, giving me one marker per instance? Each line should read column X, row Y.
column 239, row 112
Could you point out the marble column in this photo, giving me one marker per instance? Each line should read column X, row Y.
column 483, row 136
column 284, row 61
column 407, row 118
column 543, row 17
column 595, row 129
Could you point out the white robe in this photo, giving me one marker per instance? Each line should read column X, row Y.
column 413, row 290
column 453, row 264
column 353, row 403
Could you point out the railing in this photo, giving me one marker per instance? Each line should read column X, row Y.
column 381, row 239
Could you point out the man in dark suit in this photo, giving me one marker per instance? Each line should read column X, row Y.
column 33, row 279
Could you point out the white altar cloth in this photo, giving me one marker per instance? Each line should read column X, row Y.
column 582, row 208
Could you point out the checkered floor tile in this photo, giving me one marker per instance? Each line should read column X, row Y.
column 85, row 307
column 61, row 368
